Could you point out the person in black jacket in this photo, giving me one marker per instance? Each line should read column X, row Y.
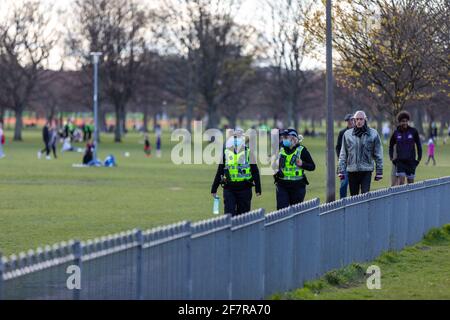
column 290, row 179
column 406, row 139
column 344, row 181
column 46, row 139
column 237, row 175
column 88, row 153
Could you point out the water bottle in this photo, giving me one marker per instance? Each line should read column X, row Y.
column 216, row 205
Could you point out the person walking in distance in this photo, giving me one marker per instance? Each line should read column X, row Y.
column 158, row 140
column 405, row 139
column 53, row 139
column 46, row 139
column 361, row 147
column 431, row 151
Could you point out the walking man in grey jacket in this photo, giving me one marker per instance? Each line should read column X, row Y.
column 361, row 147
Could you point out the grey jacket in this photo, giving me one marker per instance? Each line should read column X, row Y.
column 358, row 154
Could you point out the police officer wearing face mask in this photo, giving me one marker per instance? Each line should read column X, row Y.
column 292, row 161
column 237, row 175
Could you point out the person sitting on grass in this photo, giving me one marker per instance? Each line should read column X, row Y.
column 67, row 146
column 88, row 153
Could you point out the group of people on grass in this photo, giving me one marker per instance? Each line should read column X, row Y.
column 51, row 135
column 360, row 156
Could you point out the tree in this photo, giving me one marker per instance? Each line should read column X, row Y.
column 386, row 47
column 289, row 43
column 156, row 84
column 117, row 29
column 25, row 44
column 212, row 42
column 238, row 79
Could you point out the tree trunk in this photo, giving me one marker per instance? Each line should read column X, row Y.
column 419, row 121
column 145, row 124
column 180, row 121
column 103, row 126
column 295, row 93
column 275, row 120
column 155, row 121
column 60, row 119
column 430, row 123
column 19, row 124
column 213, row 118
column 441, row 129
column 190, row 112
column 118, row 128
column 51, row 114
column 232, row 121
column 379, row 119
column 289, row 114
column 123, row 128
column 296, row 123
column 264, row 120
column 191, row 97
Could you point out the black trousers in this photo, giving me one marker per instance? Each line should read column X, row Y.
column 237, row 202
column 53, row 147
column 359, row 182
column 289, row 196
column 47, row 148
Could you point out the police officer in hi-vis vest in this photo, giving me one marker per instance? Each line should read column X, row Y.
column 237, row 175
column 290, row 165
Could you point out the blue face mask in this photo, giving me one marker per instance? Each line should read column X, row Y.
column 287, row 143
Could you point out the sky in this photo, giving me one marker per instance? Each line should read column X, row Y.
column 251, row 11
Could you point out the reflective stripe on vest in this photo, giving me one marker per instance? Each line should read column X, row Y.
column 292, row 171
column 238, row 165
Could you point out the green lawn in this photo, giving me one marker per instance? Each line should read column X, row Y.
column 418, row 272
column 43, row 202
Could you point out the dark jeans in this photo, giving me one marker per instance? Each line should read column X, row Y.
column 237, row 202
column 359, row 182
column 344, row 186
column 88, row 157
column 53, row 147
column 289, row 196
column 46, row 149
column 431, row 157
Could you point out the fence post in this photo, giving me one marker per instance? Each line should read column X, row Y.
column 229, row 260
column 140, row 241
column 77, row 253
column 189, row 259
column 1, row 276
column 262, row 249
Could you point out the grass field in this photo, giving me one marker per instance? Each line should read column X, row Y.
column 47, row 201
column 421, row 272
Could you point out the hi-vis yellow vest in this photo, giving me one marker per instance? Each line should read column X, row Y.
column 238, row 165
column 290, row 170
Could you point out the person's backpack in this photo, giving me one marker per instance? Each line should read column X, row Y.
column 3, row 139
column 110, row 161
